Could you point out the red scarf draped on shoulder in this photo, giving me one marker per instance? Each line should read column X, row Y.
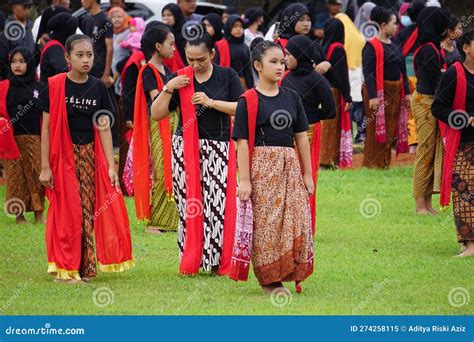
column 282, row 42
column 48, row 45
column 64, row 221
column 137, row 58
column 224, row 52
column 8, row 147
column 193, row 243
column 345, row 154
column 380, row 127
column 174, row 63
column 410, row 42
column 141, row 148
column 453, row 136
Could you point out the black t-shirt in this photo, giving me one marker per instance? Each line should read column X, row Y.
column 53, row 63
column 223, row 85
column 428, row 64
column 98, row 27
column 23, row 108
column 149, row 81
column 128, row 92
column 279, row 118
column 83, row 100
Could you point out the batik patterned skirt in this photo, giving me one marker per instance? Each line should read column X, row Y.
column 213, row 161
column 164, row 214
column 331, row 135
column 463, row 192
column 24, row 191
column 282, row 239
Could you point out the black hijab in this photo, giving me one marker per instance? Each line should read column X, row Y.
column 62, row 26
column 432, row 22
column 289, row 17
column 179, row 19
column 333, row 33
column 48, row 14
column 228, row 28
column 30, row 74
column 301, row 47
column 216, row 22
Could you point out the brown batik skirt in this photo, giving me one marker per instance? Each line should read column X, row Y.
column 22, row 176
column 378, row 155
column 282, row 232
column 463, row 192
column 85, row 172
column 331, row 135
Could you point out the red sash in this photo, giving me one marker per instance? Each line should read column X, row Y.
column 453, row 136
column 345, row 154
column 48, row 45
column 193, row 243
column 174, row 63
column 8, row 147
column 224, row 52
column 64, row 221
column 141, row 148
column 137, row 58
column 282, row 42
column 410, row 42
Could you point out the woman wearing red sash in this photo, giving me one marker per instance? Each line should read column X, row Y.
column 454, row 105
column 386, row 93
column 174, row 18
column 269, row 120
column 428, row 64
column 87, row 218
column 19, row 113
column 336, row 134
column 214, row 26
column 316, row 95
column 152, row 139
column 204, row 167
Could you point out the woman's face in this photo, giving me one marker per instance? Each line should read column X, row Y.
column 199, row 58
column 118, row 19
column 81, row 57
column 391, row 27
column 168, row 17
column 237, row 29
column 272, row 65
column 166, row 50
column 209, row 27
column 291, row 61
column 18, row 64
column 456, row 33
column 303, row 25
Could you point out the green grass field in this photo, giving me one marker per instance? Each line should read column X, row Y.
column 373, row 255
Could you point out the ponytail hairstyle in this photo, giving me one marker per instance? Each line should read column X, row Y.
column 74, row 39
column 381, row 15
column 156, row 33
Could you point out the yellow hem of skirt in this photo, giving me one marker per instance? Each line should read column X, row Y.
column 63, row 274
column 121, row 267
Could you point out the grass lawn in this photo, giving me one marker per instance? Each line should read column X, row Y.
column 373, row 255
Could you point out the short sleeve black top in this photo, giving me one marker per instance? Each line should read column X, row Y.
column 23, row 108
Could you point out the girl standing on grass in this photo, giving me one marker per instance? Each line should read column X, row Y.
column 269, row 120
column 78, row 169
column 204, row 168
column 454, row 105
column 19, row 107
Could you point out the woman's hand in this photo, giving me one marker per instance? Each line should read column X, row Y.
column 200, row 98
column 348, row 106
column 114, row 179
column 244, row 190
column 178, row 82
column 129, row 124
column 374, row 103
column 408, row 100
column 308, row 182
column 322, row 67
column 46, row 177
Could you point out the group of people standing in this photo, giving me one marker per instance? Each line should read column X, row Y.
column 214, row 124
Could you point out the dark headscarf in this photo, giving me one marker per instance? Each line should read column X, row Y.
column 251, row 15
column 48, row 14
column 30, row 74
column 432, row 22
column 333, row 33
column 216, row 22
column 414, row 10
column 301, row 47
column 228, row 28
column 2, row 21
column 289, row 17
column 62, row 26
column 179, row 19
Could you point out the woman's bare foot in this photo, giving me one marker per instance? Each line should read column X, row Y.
column 86, row 279
column 21, row 219
column 463, row 247
column 469, row 250
column 153, row 230
column 39, row 217
column 421, row 207
column 429, row 206
column 412, row 149
column 269, row 288
column 423, row 211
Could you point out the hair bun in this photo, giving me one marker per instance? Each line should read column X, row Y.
column 376, row 13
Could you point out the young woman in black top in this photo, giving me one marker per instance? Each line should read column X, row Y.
column 454, row 105
column 269, row 121
column 174, row 18
column 428, row 63
column 214, row 26
column 204, row 172
column 448, row 46
column 386, row 93
column 19, row 95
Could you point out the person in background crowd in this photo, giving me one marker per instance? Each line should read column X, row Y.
column 41, row 23
column 228, row 12
column 173, row 16
column 214, row 26
column 448, row 45
column 189, row 7
column 132, row 42
column 363, row 15
column 117, row 3
column 18, row 26
column 253, row 20
column 333, row 7
column 119, row 19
